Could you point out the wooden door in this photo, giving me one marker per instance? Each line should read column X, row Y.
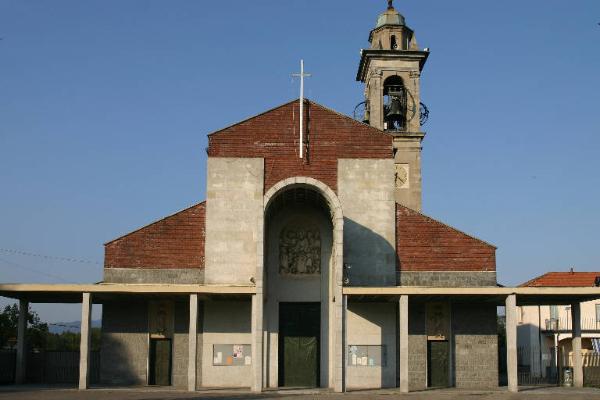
column 438, row 360
column 160, row 362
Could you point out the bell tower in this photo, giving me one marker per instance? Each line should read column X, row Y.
column 391, row 70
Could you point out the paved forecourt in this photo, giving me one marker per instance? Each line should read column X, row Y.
column 28, row 392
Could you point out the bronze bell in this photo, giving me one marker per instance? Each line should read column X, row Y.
column 395, row 110
column 395, row 116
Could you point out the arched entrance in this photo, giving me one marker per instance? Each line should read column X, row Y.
column 302, row 282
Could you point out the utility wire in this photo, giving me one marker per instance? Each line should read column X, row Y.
column 59, row 278
column 47, row 257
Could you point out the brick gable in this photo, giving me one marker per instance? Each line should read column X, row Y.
column 176, row 241
column 424, row 244
column 274, row 136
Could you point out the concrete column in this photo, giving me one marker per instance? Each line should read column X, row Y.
column 257, row 342
column 511, row 343
column 403, row 342
column 192, row 342
column 21, row 345
column 344, row 368
column 338, row 331
column 84, row 347
column 577, row 361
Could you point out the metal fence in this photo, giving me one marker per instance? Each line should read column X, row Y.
column 537, row 367
column 591, row 369
column 48, row 367
column 8, row 361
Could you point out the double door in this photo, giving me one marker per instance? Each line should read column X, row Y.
column 299, row 337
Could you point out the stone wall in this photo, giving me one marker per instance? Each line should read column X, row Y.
column 372, row 324
column 154, row 275
column 124, row 351
column 366, row 192
column 180, row 351
column 474, row 329
column 417, row 347
column 447, row 279
column 233, row 212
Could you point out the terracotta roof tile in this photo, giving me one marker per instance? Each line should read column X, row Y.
column 563, row 279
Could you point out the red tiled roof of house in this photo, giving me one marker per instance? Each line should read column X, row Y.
column 563, row 279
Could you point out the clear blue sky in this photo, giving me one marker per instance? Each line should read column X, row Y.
column 105, row 107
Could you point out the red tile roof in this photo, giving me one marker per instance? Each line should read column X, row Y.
column 563, row 279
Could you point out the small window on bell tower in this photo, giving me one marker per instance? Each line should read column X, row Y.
column 393, row 43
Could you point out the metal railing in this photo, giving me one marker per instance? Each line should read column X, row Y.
column 564, row 324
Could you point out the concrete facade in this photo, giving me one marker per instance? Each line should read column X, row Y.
column 366, row 191
column 234, row 208
column 225, row 322
column 408, row 156
column 124, row 351
column 372, row 324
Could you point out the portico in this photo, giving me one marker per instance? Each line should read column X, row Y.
column 405, row 298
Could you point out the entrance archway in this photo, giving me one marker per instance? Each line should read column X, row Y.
column 302, row 264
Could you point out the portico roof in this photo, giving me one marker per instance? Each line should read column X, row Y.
column 525, row 295
column 72, row 293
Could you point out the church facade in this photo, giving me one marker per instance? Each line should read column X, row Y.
column 299, row 221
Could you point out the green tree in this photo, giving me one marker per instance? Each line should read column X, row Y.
column 35, row 335
column 70, row 341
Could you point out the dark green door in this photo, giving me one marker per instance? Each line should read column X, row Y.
column 160, row 362
column 438, row 359
column 299, row 331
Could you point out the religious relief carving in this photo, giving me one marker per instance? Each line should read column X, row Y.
column 160, row 319
column 300, row 251
column 402, row 176
column 438, row 321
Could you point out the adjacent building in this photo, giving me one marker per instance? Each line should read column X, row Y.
column 544, row 332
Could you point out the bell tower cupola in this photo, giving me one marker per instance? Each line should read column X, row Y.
column 391, row 71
